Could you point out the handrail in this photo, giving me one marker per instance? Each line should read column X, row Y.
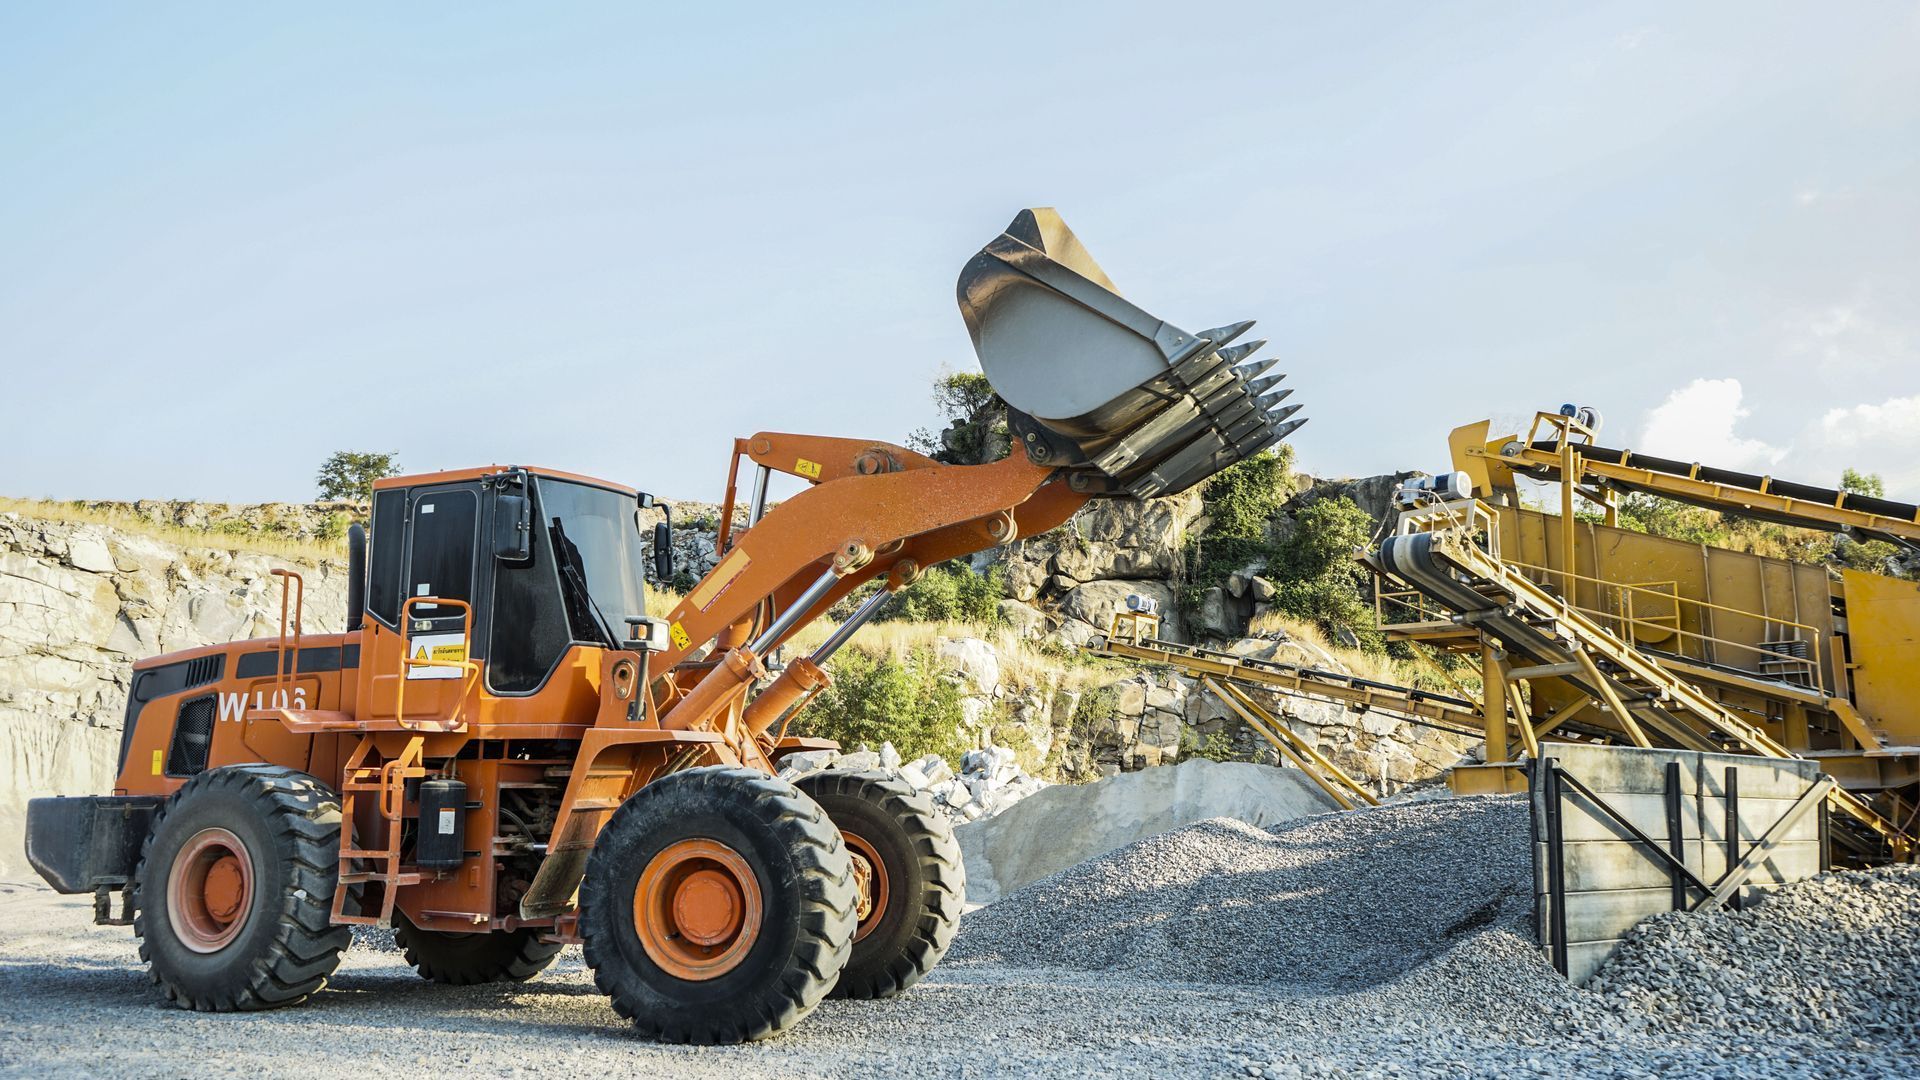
column 294, row 587
column 1810, row 663
column 407, row 661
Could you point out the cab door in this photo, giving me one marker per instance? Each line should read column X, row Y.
column 442, row 548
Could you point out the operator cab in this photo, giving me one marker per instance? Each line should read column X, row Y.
column 547, row 560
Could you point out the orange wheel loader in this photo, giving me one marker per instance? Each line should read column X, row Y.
column 504, row 752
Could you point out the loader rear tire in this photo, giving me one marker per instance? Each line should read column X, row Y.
column 918, row 884
column 234, row 891
column 469, row 959
column 718, row 906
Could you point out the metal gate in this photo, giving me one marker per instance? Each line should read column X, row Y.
column 1622, row 833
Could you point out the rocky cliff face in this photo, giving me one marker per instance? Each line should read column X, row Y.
column 80, row 603
column 1068, row 583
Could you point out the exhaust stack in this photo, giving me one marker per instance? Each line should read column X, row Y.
column 1130, row 404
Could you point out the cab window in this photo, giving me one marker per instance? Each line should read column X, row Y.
column 444, row 529
column 389, row 545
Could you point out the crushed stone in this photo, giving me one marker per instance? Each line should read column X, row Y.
column 1334, row 901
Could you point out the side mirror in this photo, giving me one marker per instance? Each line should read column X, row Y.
column 512, row 528
column 662, row 552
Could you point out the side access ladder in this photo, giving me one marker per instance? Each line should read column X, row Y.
column 370, row 877
column 385, row 782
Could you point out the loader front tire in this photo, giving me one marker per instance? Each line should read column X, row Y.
column 718, row 906
column 234, row 891
column 469, row 959
column 916, row 883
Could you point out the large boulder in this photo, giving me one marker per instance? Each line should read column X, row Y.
column 971, row 660
column 1023, row 619
column 1372, row 494
column 1095, row 602
column 1217, row 616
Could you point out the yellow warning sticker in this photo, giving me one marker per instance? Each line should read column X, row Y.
column 449, row 650
column 156, row 763
column 455, row 653
column 807, row 468
column 679, row 635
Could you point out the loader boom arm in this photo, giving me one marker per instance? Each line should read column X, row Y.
column 872, row 509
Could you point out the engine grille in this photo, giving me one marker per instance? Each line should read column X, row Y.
column 192, row 735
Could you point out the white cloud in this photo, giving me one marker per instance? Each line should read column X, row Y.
column 1882, row 438
column 1699, row 422
column 1847, row 339
column 1696, row 423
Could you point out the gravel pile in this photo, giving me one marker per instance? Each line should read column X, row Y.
column 1837, row 956
column 1335, row 901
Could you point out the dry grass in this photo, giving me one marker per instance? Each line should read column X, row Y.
column 127, row 521
column 661, row 601
column 1364, row 664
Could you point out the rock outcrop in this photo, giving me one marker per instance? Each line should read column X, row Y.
column 1075, row 577
column 78, row 604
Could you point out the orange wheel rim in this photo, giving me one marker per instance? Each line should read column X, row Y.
column 874, row 904
column 210, row 890
column 697, row 909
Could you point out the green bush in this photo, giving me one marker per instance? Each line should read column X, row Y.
column 975, row 422
column 1315, row 575
column 1313, row 570
column 1215, row 747
column 1243, row 497
column 333, row 526
column 1240, row 500
column 878, row 699
column 951, row 592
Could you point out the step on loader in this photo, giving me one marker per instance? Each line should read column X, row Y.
column 505, row 752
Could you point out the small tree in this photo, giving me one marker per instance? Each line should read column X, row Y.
column 348, row 475
column 1859, row 483
column 976, row 422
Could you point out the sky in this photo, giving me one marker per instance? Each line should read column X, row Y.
column 236, row 238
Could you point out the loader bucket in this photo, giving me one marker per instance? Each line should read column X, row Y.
column 1127, row 403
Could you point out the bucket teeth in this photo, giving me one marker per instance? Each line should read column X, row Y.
column 1253, row 369
column 1259, row 386
column 1142, row 405
column 1220, row 335
column 1275, row 416
column 1233, row 354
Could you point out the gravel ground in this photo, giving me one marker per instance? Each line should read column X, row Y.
column 1295, row 934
